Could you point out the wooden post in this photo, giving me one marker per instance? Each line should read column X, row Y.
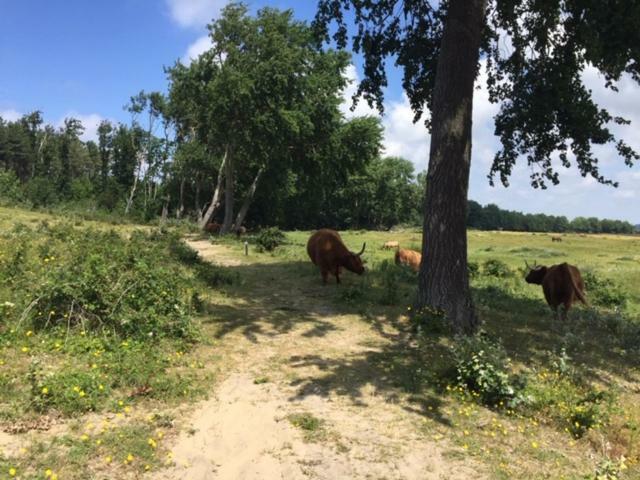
column 246, row 248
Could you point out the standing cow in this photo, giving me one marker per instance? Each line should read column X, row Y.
column 390, row 245
column 410, row 258
column 562, row 285
column 326, row 250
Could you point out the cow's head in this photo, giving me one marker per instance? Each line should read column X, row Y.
column 536, row 273
column 354, row 262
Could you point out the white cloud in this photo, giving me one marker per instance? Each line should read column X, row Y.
column 194, row 13
column 197, row 48
column 402, row 137
column 10, row 115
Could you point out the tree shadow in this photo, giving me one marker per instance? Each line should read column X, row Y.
column 531, row 335
column 394, row 371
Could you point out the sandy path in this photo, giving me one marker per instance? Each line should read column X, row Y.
column 243, row 431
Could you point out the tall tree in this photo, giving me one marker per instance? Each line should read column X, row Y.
column 70, row 134
column 263, row 89
column 545, row 107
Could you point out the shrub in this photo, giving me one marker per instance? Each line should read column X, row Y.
column 99, row 280
column 270, row 238
column 604, row 292
column 482, row 368
column 496, row 268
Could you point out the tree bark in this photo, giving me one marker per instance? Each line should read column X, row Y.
column 443, row 282
column 132, row 194
column 229, row 195
column 247, row 200
column 180, row 209
column 215, row 201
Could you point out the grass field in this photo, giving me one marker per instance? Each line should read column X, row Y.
column 78, row 400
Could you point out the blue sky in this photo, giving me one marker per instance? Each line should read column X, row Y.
column 86, row 58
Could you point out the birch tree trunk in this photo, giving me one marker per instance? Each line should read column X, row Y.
column 215, row 200
column 247, row 200
column 229, row 195
column 443, row 282
column 134, row 186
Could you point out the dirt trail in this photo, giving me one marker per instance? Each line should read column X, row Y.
column 319, row 366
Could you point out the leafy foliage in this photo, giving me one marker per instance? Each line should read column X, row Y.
column 270, row 238
column 482, row 368
column 97, row 280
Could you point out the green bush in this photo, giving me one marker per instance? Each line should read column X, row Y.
column 604, row 292
column 496, row 268
column 99, row 281
column 482, row 369
column 270, row 238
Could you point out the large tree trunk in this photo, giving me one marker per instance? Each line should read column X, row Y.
column 215, row 201
column 443, row 282
column 229, row 195
column 247, row 200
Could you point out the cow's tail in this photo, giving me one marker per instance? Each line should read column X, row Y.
column 579, row 293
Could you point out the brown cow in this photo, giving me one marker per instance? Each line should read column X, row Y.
column 212, row 227
column 326, row 250
column 240, row 231
column 562, row 285
column 410, row 258
column 556, row 239
column 390, row 245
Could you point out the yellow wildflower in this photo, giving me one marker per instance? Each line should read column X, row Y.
column 45, row 390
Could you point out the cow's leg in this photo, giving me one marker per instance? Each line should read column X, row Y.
column 325, row 275
column 565, row 310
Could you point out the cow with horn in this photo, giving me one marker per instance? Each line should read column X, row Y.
column 561, row 284
column 327, row 251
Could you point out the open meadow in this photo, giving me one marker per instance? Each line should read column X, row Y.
column 126, row 352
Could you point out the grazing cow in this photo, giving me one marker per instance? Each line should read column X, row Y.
column 562, row 285
column 390, row 245
column 556, row 239
column 326, row 250
column 240, row 231
column 212, row 227
column 411, row 258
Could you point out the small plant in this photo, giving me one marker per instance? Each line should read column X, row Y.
column 590, row 411
column 496, row 268
column 482, row 369
column 312, row 426
column 609, row 469
column 428, row 321
column 270, row 238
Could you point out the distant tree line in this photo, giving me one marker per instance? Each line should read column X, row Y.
column 492, row 217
